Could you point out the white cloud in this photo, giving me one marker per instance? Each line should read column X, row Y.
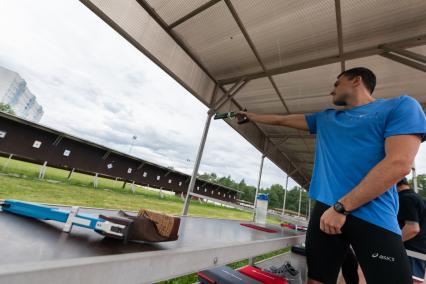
column 93, row 84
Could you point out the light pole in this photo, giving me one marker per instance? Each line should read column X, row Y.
column 134, row 137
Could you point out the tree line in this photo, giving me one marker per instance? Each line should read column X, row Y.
column 276, row 192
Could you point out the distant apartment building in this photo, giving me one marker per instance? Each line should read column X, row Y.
column 14, row 91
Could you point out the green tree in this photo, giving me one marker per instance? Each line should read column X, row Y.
column 6, row 108
column 275, row 193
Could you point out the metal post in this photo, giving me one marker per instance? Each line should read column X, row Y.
column 300, row 202
column 134, row 137
column 7, row 162
column 285, row 195
column 252, row 260
column 197, row 163
column 42, row 170
column 258, row 186
column 230, row 94
column 309, row 208
column 70, row 174
column 339, row 32
column 95, row 180
column 415, row 187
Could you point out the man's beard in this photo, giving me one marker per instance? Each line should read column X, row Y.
column 342, row 101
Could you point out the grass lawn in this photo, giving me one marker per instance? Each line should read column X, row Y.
column 19, row 180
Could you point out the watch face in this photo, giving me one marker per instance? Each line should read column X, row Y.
column 339, row 208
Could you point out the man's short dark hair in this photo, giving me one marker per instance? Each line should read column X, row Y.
column 368, row 77
column 403, row 181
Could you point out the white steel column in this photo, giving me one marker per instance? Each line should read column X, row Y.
column 258, row 185
column 285, row 194
column 309, row 209
column 300, row 202
column 197, row 164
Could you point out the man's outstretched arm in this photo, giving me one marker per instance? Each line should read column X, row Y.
column 296, row 121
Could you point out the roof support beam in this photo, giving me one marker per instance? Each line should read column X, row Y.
column 300, row 152
column 376, row 50
column 256, row 54
column 290, row 162
column 406, row 53
column 339, row 33
column 304, row 162
column 289, row 136
column 405, row 61
column 230, row 93
column 253, row 48
column 166, row 28
column 193, row 13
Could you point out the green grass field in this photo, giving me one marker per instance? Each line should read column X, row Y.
column 19, row 180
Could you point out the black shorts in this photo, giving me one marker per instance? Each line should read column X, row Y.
column 380, row 252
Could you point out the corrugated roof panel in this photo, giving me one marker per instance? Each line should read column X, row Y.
column 171, row 11
column 370, row 23
column 260, row 97
column 419, row 49
column 308, row 90
column 291, row 31
column 215, row 38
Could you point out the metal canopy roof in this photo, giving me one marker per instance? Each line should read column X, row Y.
column 276, row 56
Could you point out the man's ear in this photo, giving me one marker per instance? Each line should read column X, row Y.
column 357, row 81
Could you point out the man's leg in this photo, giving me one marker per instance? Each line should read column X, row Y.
column 380, row 253
column 324, row 252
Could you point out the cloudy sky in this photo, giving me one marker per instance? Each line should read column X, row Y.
column 93, row 84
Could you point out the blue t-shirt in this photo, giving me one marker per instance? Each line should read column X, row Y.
column 349, row 143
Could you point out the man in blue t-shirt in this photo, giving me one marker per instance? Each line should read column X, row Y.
column 362, row 150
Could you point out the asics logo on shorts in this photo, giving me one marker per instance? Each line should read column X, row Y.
column 382, row 257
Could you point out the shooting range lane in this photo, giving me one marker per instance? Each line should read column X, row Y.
column 24, row 239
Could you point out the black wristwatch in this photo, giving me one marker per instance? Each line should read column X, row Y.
column 340, row 208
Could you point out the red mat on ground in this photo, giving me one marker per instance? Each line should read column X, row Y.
column 262, row 276
column 290, row 226
column 259, row 228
